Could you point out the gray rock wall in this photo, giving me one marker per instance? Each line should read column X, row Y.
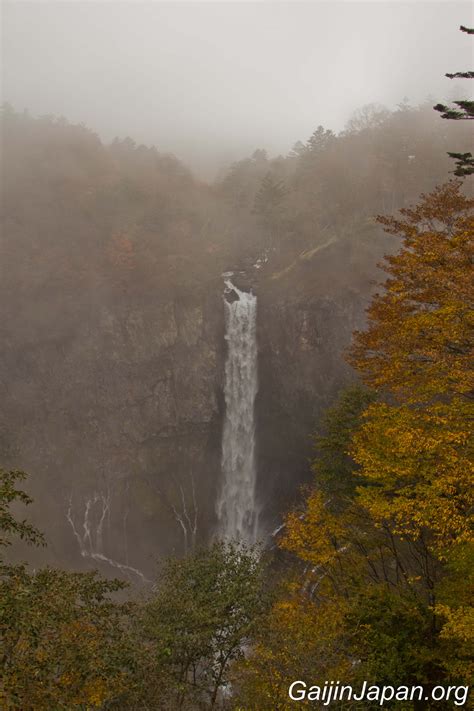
column 116, row 413
column 121, row 423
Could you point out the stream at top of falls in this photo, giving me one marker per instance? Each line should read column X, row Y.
column 237, row 510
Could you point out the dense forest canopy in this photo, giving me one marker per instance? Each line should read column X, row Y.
column 128, row 207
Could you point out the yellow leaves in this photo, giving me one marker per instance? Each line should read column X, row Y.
column 96, row 692
column 374, row 558
column 91, row 692
column 61, row 641
column 457, row 633
column 417, row 469
column 313, row 535
column 60, row 668
column 419, row 343
column 299, row 640
column 459, row 623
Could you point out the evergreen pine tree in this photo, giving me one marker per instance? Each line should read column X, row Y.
column 463, row 112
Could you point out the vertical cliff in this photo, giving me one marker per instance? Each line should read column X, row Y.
column 308, row 310
column 119, row 424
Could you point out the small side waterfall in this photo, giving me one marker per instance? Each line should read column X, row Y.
column 236, row 506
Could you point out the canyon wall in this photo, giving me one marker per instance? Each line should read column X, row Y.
column 118, row 422
column 118, row 419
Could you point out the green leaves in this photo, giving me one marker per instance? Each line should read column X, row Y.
column 203, row 612
column 64, row 640
column 66, row 643
column 333, row 467
column 385, row 534
column 9, row 525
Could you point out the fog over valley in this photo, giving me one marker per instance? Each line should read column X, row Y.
column 211, row 82
column 236, row 298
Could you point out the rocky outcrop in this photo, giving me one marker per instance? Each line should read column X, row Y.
column 117, row 411
column 119, row 426
column 301, row 370
column 308, row 311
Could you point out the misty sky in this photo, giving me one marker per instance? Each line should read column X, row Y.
column 213, row 81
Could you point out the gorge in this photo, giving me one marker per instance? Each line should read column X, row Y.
column 118, row 396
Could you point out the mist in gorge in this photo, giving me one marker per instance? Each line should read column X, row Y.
column 212, row 82
column 189, row 241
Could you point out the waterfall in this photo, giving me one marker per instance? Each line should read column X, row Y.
column 90, row 541
column 237, row 511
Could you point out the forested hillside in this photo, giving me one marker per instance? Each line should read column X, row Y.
column 113, row 370
column 112, row 321
column 381, row 545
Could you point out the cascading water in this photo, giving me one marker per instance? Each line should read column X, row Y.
column 237, row 511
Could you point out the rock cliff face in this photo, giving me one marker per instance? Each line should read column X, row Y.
column 302, row 368
column 112, row 320
column 119, row 425
column 307, row 313
column 117, row 411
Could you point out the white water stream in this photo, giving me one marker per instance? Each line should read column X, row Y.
column 237, row 510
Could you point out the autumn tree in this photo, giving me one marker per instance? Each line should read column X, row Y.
column 414, row 448
column 64, row 641
column 417, row 350
column 356, row 591
column 296, row 640
column 383, row 538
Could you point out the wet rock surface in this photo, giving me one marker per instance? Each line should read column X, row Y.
column 125, row 406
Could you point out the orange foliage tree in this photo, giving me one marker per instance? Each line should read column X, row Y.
column 414, row 446
column 386, row 535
